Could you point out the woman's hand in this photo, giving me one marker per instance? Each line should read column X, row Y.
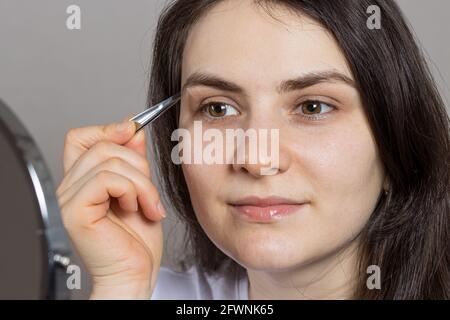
column 112, row 210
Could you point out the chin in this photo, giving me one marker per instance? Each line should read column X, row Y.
column 268, row 255
column 267, row 262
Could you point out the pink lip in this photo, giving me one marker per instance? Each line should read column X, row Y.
column 265, row 209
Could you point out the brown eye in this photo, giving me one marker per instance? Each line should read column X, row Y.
column 219, row 110
column 311, row 107
column 216, row 110
column 314, row 110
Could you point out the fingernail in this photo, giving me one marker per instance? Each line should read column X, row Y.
column 123, row 126
column 160, row 209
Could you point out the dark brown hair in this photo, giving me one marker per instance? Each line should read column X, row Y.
column 407, row 235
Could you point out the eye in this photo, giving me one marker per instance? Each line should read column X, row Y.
column 314, row 109
column 218, row 110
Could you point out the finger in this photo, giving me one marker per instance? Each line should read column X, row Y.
column 138, row 143
column 99, row 153
column 79, row 140
column 89, row 205
column 147, row 194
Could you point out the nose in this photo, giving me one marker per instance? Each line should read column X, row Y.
column 271, row 158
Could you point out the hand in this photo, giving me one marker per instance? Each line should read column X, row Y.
column 111, row 209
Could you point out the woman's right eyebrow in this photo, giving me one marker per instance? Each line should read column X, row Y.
column 303, row 81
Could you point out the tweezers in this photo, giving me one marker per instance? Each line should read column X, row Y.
column 152, row 113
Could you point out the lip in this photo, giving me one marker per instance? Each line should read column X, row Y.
column 267, row 209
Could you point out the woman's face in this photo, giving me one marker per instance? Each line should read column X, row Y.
column 327, row 155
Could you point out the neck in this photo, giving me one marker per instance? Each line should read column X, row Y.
column 333, row 277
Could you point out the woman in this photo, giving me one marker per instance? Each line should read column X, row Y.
column 358, row 205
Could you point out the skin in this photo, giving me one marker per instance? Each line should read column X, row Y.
column 109, row 207
column 112, row 210
column 331, row 163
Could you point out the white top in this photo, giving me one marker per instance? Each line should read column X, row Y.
column 195, row 285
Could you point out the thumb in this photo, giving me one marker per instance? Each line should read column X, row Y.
column 138, row 143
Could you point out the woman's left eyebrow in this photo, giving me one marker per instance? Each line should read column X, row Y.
column 313, row 78
column 303, row 81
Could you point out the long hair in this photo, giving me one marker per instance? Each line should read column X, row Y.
column 407, row 235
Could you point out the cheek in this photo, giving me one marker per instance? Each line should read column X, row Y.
column 203, row 182
column 345, row 173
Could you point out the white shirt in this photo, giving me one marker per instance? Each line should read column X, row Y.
column 195, row 285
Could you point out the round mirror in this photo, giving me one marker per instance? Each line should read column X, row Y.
column 33, row 244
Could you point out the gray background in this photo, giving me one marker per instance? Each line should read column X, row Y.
column 55, row 79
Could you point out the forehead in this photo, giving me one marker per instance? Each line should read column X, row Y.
column 240, row 40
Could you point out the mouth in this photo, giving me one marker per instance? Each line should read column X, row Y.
column 267, row 209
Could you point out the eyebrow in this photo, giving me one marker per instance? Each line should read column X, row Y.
column 303, row 81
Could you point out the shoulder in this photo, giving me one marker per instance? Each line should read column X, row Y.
column 193, row 284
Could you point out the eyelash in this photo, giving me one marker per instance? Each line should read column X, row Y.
column 315, row 117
